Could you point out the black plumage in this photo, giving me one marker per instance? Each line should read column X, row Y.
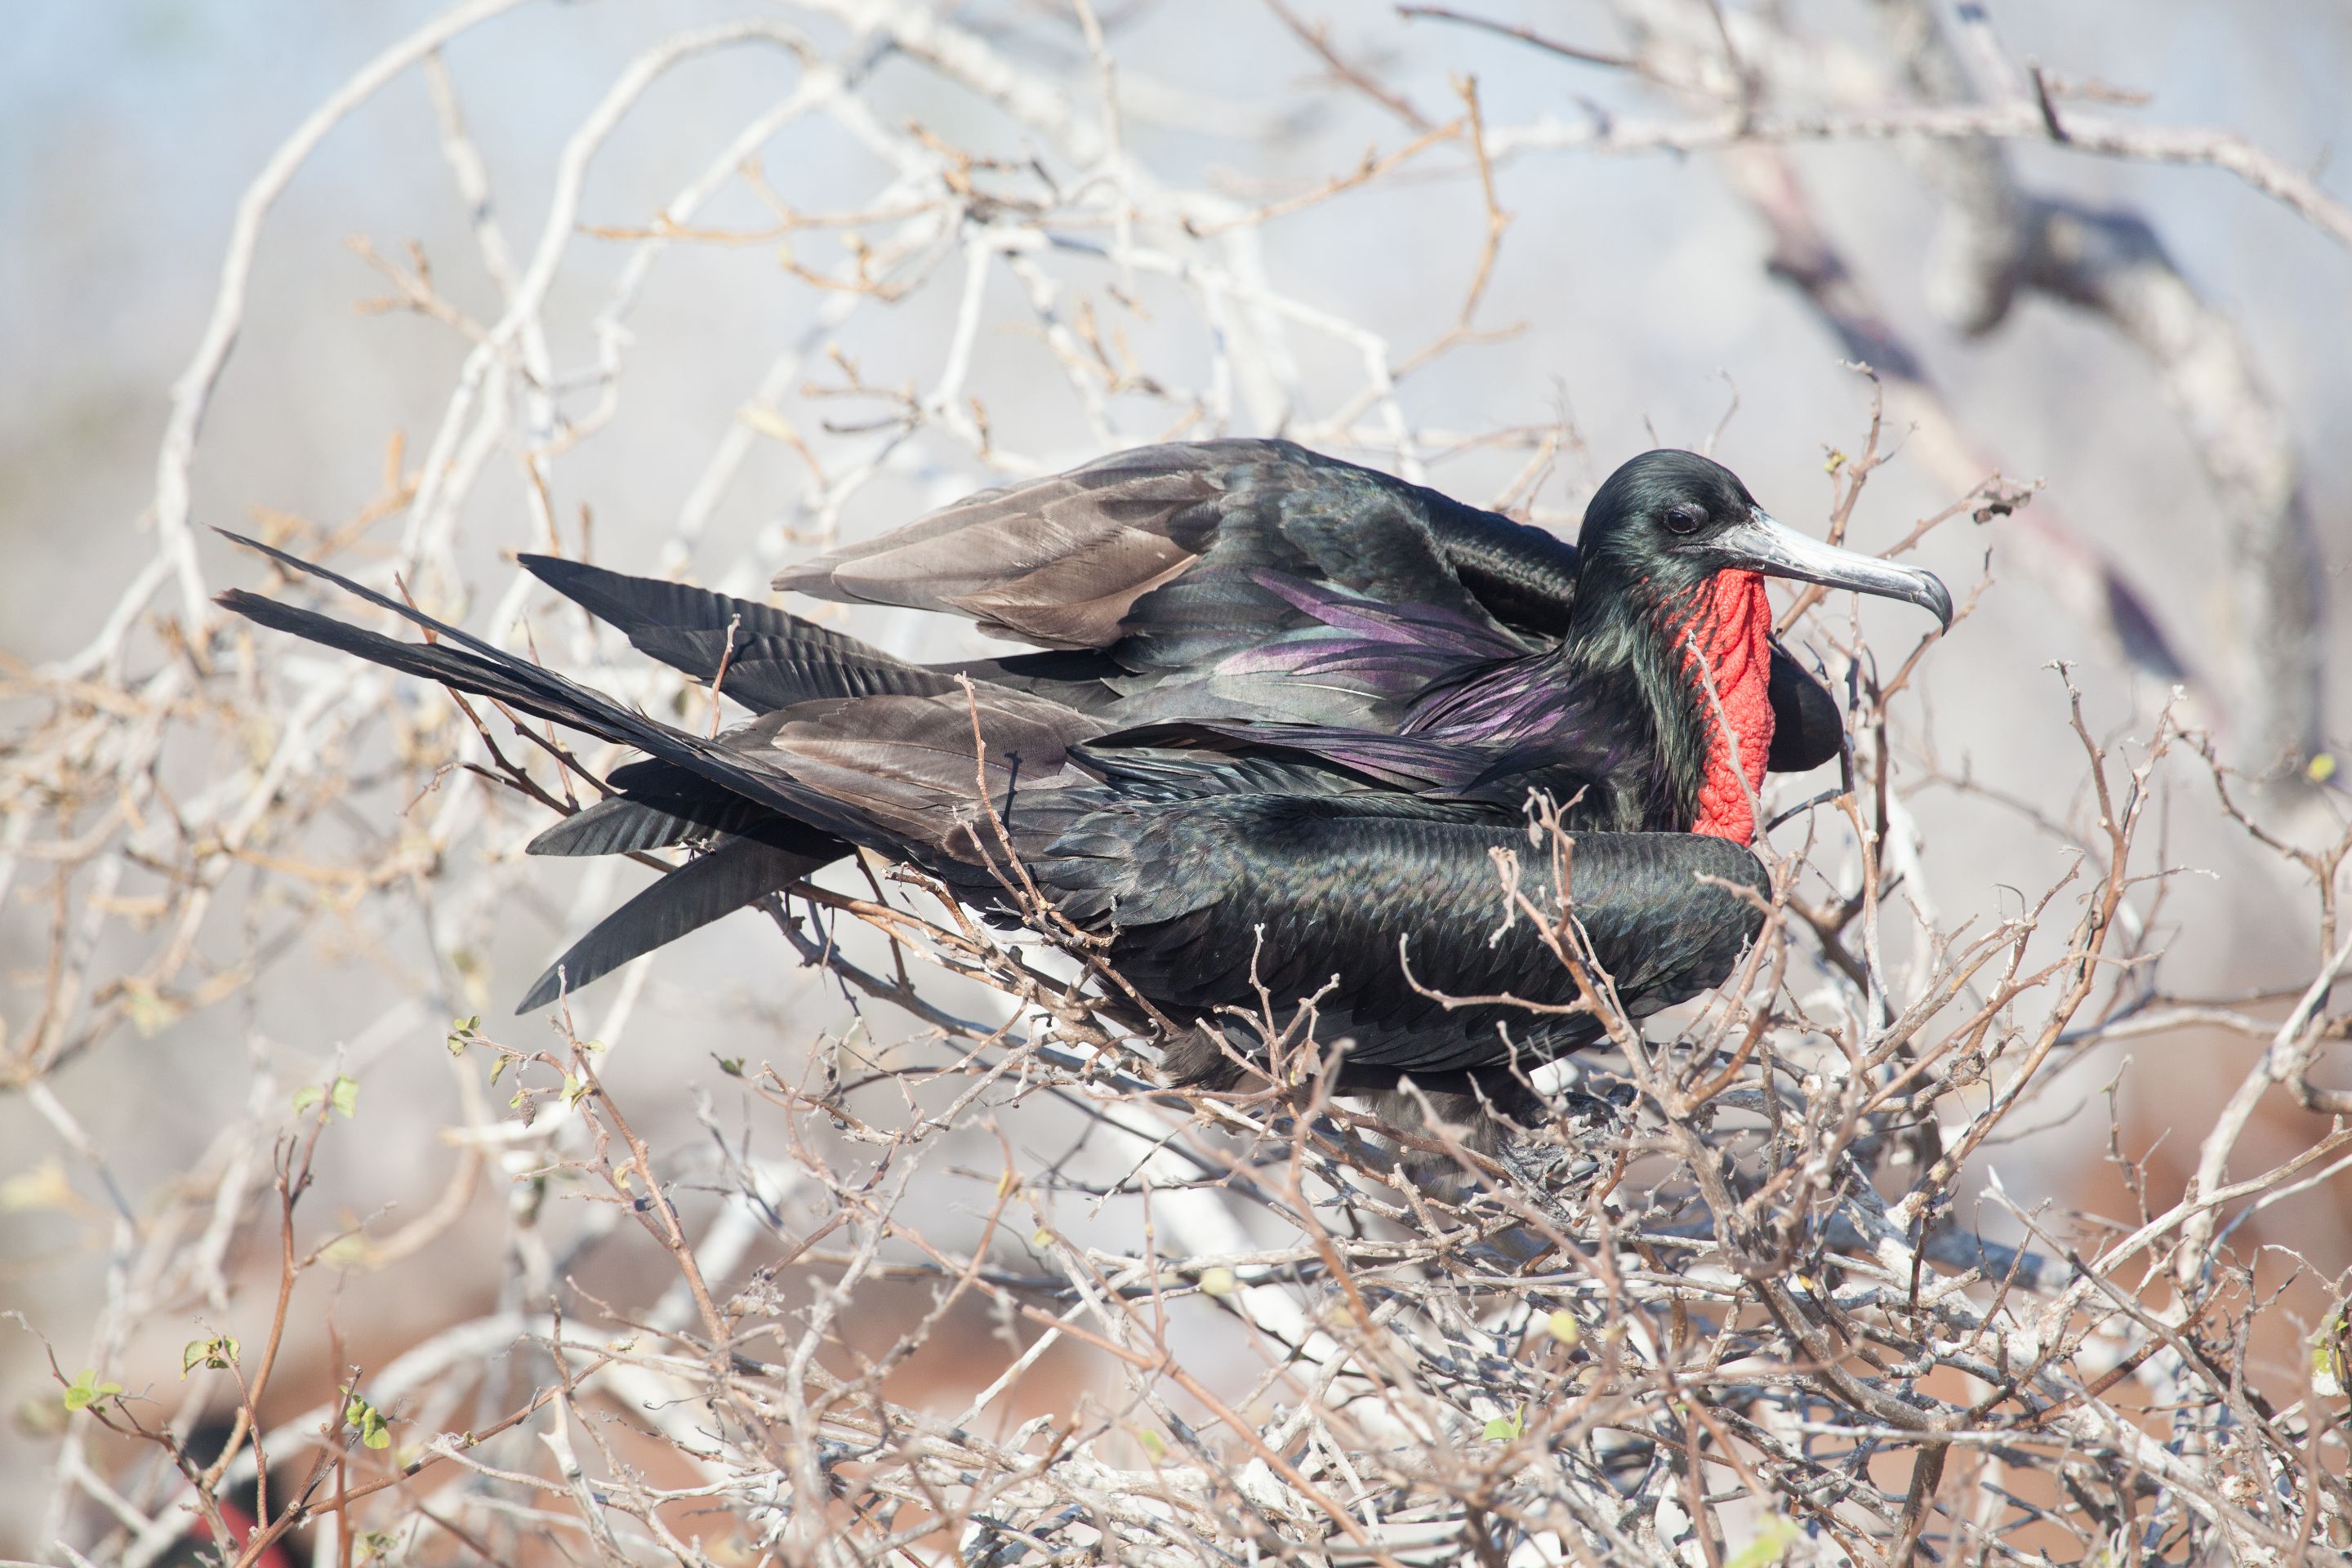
column 1148, row 569
column 1287, row 711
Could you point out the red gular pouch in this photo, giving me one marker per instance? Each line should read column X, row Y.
column 1729, row 628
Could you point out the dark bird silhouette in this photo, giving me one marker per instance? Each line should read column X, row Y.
column 1287, row 710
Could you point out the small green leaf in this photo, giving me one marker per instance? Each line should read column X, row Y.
column 574, row 1088
column 343, row 1094
column 149, row 1012
column 87, row 1391
column 1506, row 1428
column 1562, row 1326
column 368, row 1421
column 1774, row 1536
column 731, row 1065
column 2331, row 1366
column 42, row 1187
column 220, row 1353
column 1218, row 1281
column 1151, row 1443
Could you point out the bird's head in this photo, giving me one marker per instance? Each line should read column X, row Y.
column 1671, row 568
column 1666, row 522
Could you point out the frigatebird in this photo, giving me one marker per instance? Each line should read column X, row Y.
column 1287, row 710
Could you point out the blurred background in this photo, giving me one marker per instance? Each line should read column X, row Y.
column 811, row 354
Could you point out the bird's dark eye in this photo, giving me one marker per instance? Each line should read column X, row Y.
column 1685, row 518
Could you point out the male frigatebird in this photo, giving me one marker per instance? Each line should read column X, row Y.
column 1288, row 708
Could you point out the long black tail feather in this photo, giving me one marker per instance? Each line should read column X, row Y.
column 770, row 657
column 498, row 675
column 739, row 872
column 626, row 825
column 788, row 793
column 660, row 804
column 468, row 664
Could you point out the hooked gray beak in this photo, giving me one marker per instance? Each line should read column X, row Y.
column 1764, row 545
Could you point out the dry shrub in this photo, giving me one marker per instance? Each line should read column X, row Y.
column 1733, row 1307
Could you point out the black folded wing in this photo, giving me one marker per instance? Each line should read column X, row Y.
column 1152, row 570
column 1062, row 561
